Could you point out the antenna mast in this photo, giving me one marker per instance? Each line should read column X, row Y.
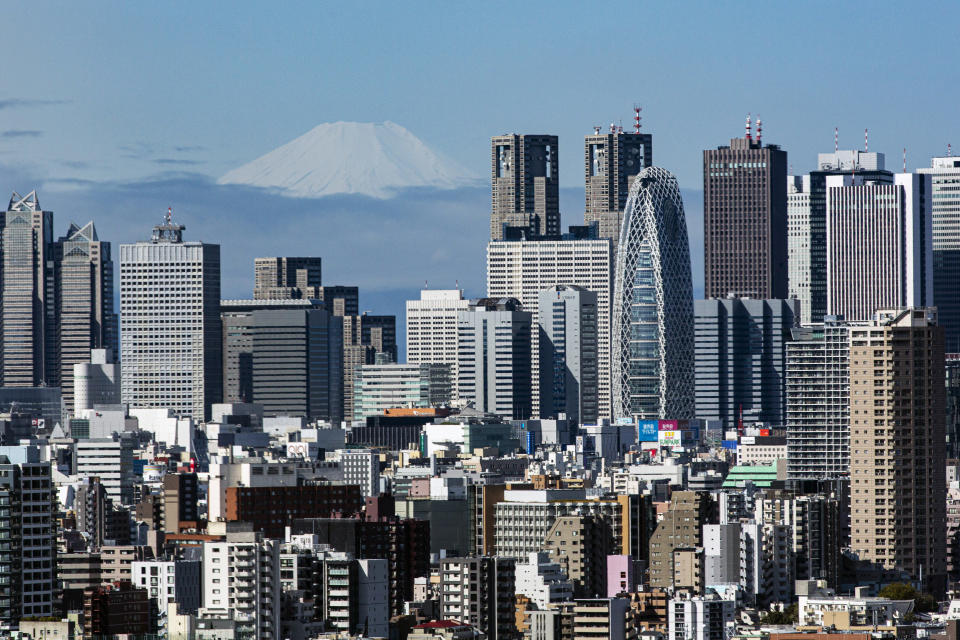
column 636, row 117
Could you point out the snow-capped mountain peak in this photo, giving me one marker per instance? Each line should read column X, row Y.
column 374, row 159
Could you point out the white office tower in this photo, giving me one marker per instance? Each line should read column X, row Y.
column 800, row 278
column 523, row 269
column 945, row 176
column 432, row 328
column 493, row 358
column 542, row 581
column 95, row 382
column 241, row 582
column 362, row 468
column 568, row 354
column 170, row 346
column 879, row 247
column 111, row 460
column 701, row 618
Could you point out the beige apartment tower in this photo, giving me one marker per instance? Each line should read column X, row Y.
column 286, row 278
column 897, row 460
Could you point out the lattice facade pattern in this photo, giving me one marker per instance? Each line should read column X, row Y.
column 653, row 347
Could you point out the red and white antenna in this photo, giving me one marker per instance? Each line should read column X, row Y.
column 749, row 133
column 866, row 140
column 836, row 139
column 759, row 130
column 169, row 214
column 636, row 117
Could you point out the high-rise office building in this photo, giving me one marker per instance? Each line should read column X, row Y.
column 171, row 341
column 568, row 363
column 945, row 213
column 96, row 381
column 611, row 162
column 745, row 219
column 493, row 357
column 740, row 359
column 818, row 401
column 652, row 349
column 28, row 532
column 366, row 338
column 897, row 463
column 85, row 298
column 879, row 250
column 297, row 363
column 341, row 300
column 378, row 387
column 526, row 185
column 807, row 225
column 28, row 295
column 432, row 327
column 523, row 269
column 286, row 278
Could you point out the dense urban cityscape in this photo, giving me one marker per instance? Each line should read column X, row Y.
column 585, row 452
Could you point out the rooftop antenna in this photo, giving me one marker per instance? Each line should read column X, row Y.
column 426, row 284
column 620, row 128
column 748, row 127
column 613, row 128
column 759, row 129
column 866, row 141
column 949, row 150
column 904, row 159
column 836, row 139
column 169, row 214
column 596, row 130
column 636, row 117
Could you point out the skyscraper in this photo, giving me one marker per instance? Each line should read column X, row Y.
column 493, row 357
column 897, row 463
column 945, row 175
column 818, row 401
column 28, row 295
column 653, row 346
column 745, row 219
column 807, row 225
column 611, row 162
column 171, row 340
column 568, row 369
column 522, row 269
column 740, row 347
column 286, row 278
column 432, row 329
column 879, row 251
column 365, row 338
column 86, row 320
column 526, row 185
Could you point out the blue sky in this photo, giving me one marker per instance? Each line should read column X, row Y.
column 117, row 109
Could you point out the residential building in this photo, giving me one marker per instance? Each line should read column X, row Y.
column 480, row 591
column 745, row 219
column 740, row 359
column 378, row 387
column 944, row 175
column 269, row 509
column 652, row 349
column 818, row 400
column 879, row 248
column 286, row 278
column 568, row 362
column 897, row 463
column 700, row 618
column 600, row 618
column 807, row 225
column 361, row 467
column 525, row 182
column 580, row 544
column 114, row 610
column 171, row 344
column 28, row 542
column 523, row 269
column 680, row 528
column 611, row 161
column 542, row 580
column 493, row 357
column 170, row 582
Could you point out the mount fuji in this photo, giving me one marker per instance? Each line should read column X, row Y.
column 367, row 158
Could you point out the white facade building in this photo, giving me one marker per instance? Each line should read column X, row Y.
column 879, row 247
column 432, row 328
column 110, row 459
column 361, row 467
column 542, row 581
column 523, row 269
column 168, row 582
column 170, row 345
column 377, row 387
column 96, row 382
column 245, row 473
column 702, row 618
column 241, row 582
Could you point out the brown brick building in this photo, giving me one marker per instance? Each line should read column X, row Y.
column 270, row 509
